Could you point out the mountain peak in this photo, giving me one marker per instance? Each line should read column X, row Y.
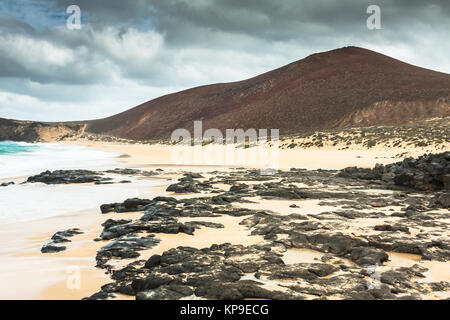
column 345, row 87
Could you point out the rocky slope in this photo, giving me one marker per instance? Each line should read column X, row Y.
column 30, row 131
column 343, row 88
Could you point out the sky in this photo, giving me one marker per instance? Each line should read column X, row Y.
column 128, row 52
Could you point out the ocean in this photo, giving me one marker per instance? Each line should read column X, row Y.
column 18, row 159
column 31, row 201
column 10, row 147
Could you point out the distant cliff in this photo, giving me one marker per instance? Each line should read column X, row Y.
column 30, row 131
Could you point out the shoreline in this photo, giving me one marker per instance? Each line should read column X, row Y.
column 29, row 264
column 26, row 262
column 39, row 276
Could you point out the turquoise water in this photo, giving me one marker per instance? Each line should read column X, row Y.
column 10, row 147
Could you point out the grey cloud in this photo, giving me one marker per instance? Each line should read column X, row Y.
column 251, row 26
column 283, row 20
column 173, row 44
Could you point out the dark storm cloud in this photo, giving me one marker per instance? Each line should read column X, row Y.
column 152, row 46
column 110, row 12
column 249, row 26
column 187, row 20
column 184, row 21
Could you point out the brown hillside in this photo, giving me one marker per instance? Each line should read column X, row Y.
column 348, row 87
column 336, row 89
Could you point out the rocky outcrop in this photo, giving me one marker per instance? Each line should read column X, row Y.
column 30, row 131
column 58, row 238
column 129, row 205
column 68, row 177
column 426, row 173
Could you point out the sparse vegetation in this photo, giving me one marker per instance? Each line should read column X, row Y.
column 431, row 133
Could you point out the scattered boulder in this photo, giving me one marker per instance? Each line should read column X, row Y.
column 51, row 248
column 364, row 256
column 239, row 188
column 426, row 173
column 62, row 236
column 68, row 177
column 57, row 238
column 129, row 205
column 153, row 261
column 391, row 228
column 185, row 185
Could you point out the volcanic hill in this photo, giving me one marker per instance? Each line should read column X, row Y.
column 342, row 88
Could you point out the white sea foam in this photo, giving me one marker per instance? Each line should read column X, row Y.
column 53, row 156
column 31, row 201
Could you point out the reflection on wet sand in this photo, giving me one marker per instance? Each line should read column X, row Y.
column 232, row 232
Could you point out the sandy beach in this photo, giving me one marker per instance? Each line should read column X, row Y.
column 150, row 156
column 37, row 276
column 49, row 276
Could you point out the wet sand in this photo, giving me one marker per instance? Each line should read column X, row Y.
column 232, row 232
column 32, row 273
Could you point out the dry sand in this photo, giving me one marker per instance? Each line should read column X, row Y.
column 160, row 156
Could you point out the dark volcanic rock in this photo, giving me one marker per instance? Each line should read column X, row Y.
column 368, row 256
column 359, row 173
column 62, row 236
column 169, row 292
column 133, row 172
column 391, row 228
column 111, row 223
column 225, row 271
column 57, row 238
column 239, row 188
column 109, row 207
column 182, row 187
column 50, row 248
column 338, row 243
column 282, row 193
column 322, row 269
column 129, row 205
column 187, row 184
column 427, row 173
column 167, row 225
column 153, row 261
column 68, row 177
column 125, row 248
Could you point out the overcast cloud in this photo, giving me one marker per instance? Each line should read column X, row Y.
column 128, row 52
